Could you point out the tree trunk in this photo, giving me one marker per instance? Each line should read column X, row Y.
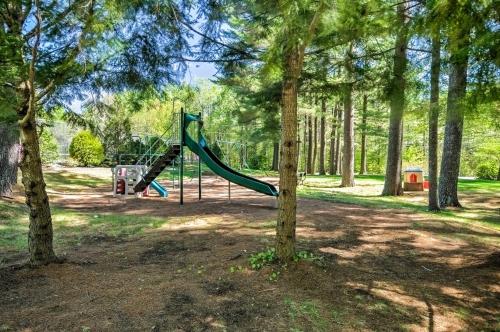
column 337, row 146
column 362, row 166
column 348, row 148
column 450, row 162
column 309, row 146
column 392, row 183
column 332, row 142
column 433, row 123
column 40, row 228
column 287, row 202
column 322, row 143
column 276, row 149
column 304, row 144
column 315, row 145
column 9, row 156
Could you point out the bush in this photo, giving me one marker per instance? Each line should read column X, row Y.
column 487, row 170
column 86, row 149
column 48, row 147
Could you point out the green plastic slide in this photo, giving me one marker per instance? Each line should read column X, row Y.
column 217, row 166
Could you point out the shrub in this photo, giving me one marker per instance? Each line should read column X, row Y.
column 487, row 170
column 48, row 147
column 86, row 149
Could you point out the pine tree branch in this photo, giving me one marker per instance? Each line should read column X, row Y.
column 32, row 70
column 418, row 50
column 214, row 40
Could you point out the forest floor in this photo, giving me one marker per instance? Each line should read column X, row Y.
column 366, row 264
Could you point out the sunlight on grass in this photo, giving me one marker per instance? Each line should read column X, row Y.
column 68, row 181
column 368, row 188
column 70, row 226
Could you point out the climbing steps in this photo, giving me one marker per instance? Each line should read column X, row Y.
column 157, row 166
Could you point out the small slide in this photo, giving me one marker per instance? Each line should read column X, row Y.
column 218, row 167
column 159, row 188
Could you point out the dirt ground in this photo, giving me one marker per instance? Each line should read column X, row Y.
column 381, row 270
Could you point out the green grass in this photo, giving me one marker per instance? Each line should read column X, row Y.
column 306, row 315
column 70, row 226
column 66, row 181
column 479, row 186
column 368, row 188
column 191, row 171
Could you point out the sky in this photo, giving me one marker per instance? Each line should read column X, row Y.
column 197, row 71
column 194, row 73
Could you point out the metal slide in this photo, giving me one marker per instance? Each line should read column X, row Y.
column 217, row 166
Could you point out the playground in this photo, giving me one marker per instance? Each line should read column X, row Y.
column 150, row 264
column 298, row 165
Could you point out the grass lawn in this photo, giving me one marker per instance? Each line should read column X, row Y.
column 480, row 198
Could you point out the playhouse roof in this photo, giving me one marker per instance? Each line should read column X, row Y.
column 415, row 169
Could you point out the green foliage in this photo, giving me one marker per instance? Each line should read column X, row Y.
column 307, row 256
column 48, row 147
column 259, row 260
column 306, row 315
column 86, row 149
column 487, row 170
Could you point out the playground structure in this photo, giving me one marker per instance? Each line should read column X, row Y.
column 126, row 178
column 413, row 179
column 168, row 150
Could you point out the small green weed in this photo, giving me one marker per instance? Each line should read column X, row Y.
column 306, row 316
column 307, row 256
column 234, row 269
column 259, row 260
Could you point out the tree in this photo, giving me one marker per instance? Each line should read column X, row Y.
column 337, row 146
column 433, row 121
column 294, row 14
column 458, row 44
column 348, row 146
column 364, row 115
column 392, row 183
column 276, row 149
column 9, row 155
column 333, row 133
column 315, row 145
column 57, row 47
column 322, row 136
column 310, row 146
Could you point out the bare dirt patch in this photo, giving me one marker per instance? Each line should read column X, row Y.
column 383, row 270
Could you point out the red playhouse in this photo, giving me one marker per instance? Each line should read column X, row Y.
column 414, row 179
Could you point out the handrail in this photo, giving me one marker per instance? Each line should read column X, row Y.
column 167, row 141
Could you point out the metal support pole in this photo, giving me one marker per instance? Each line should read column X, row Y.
column 199, row 159
column 181, row 166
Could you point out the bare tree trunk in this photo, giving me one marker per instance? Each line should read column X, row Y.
column 315, row 144
column 450, row 162
column 304, row 144
column 310, row 146
column 276, row 149
column 392, row 183
column 332, row 142
column 348, row 149
column 9, row 156
column 40, row 230
column 337, row 146
column 322, row 135
column 433, row 123
column 362, row 168
column 287, row 202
